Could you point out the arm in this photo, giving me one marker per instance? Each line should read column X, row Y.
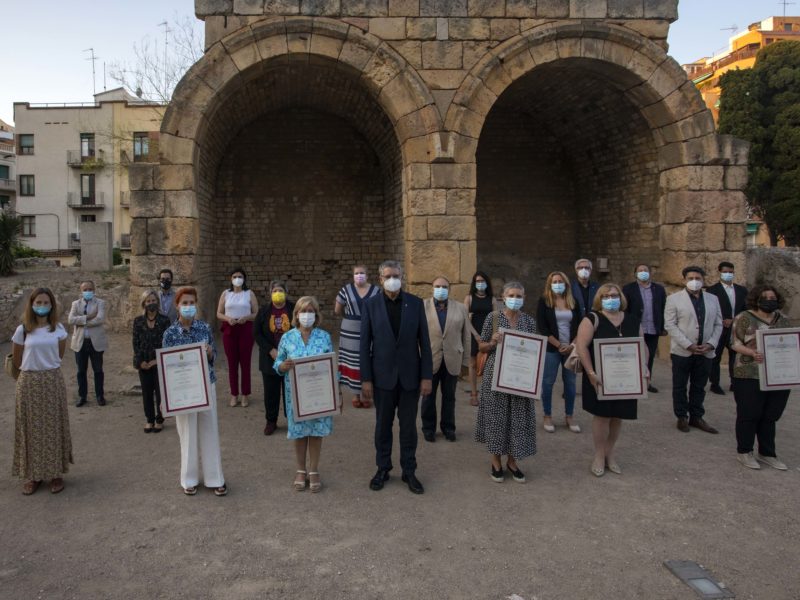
column 713, row 341
column 426, row 355
column 253, row 308
column 99, row 316
column 62, row 347
column 582, row 341
column 365, row 353
column 671, row 325
column 74, row 318
column 258, row 326
column 221, row 310
column 466, row 338
column 468, row 303
column 338, row 308
column 282, row 361
column 138, row 359
column 16, row 351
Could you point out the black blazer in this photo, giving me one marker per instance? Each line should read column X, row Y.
column 636, row 306
column 739, row 295
column 264, row 337
column 547, row 325
column 386, row 360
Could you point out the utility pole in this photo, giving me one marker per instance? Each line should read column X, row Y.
column 167, row 30
column 93, row 58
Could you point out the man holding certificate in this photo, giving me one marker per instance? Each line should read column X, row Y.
column 758, row 410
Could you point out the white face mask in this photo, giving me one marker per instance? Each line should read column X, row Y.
column 307, row 319
column 694, row 285
column 392, row 284
column 584, row 273
column 237, row 281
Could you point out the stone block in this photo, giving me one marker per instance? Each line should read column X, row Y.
column 449, row 176
column 175, row 150
column 704, row 207
column 411, row 51
column 520, row 9
column 274, row 45
column 443, row 100
column 736, row 177
column 476, row 96
column 423, row 28
column 357, row 49
column 735, row 237
column 419, row 177
column 181, row 203
column 661, row 9
column 625, row 9
column 248, row 7
column 442, row 79
column 429, row 259
column 588, row 9
column 475, row 51
column 464, row 122
column 140, row 176
column 397, row 96
column 502, row 29
column 486, row 8
column 173, row 177
column 403, row 8
column 442, row 29
column 282, row 7
column 388, row 28
column 451, row 228
column 173, row 235
column 693, row 178
column 144, row 269
column 461, row 202
column 145, row 204
column 421, row 122
column 384, row 66
column 545, row 52
column 365, row 8
column 138, row 237
column 427, row 202
column 652, row 28
column 693, row 237
column 299, row 43
column 465, row 148
column 460, row 28
column 321, row 8
column 554, row 9
column 204, row 8
column 323, row 45
column 416, row 228
column 361, row 22
column 441, row 55
column 443, row 8
column 469, row 264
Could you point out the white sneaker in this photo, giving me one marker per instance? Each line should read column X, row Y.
column 748, row 461
column 772, row 462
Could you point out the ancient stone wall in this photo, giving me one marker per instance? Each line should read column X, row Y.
column 779, row 267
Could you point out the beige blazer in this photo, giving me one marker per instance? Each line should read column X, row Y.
column 451, row 345
column 79, row 323
column 680, row 321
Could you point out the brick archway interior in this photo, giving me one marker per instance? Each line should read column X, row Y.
column 566, row 167
column 299, row 178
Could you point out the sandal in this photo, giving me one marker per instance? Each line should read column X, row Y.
column 233, row 401
column 221, row 491
column 299, row 485
column 190, row 491
column 158, row 427
column 614, row 467
column 357, row 402
column 148, row 428
column 245, row 401
column 56, row 485
column 366, row 403
column 473, row 400
column 597, row 471
column 29, row 487
column 314, row 486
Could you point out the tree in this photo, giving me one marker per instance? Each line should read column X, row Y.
column 762, row 105
column 10, row 229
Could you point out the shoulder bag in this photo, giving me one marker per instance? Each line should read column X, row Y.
column 573, row 362
column 483, row 356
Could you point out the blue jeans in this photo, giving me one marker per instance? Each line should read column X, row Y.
column 552, row 361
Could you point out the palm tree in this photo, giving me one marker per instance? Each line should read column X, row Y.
column 10, row 229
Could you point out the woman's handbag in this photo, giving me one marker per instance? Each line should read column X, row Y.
column 573, row 362
column 483, row 356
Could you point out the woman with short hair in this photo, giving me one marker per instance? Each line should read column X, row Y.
column 148, row 336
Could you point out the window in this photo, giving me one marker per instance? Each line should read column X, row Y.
column 4, row 172
column 27, row 185
column 88, row 218
column 28, row 226
column 87, row 189
column 787, row 26
column 141, row 146
column 26, row 143
column 5, row 201
column 87, row 146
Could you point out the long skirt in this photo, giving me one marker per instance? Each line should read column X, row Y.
column 42, row 442
column 349, row 354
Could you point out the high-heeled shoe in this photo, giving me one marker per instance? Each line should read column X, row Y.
column 573, row 427
column 245, row 401
column 233, row 401
column 548, row 425
column 299, row 485
column 314, row 486
column 613, row 467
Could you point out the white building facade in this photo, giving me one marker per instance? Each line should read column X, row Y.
column 8, row 167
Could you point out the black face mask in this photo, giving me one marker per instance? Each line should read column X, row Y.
column 166, row 284
column 768, row 306
column 151, row 307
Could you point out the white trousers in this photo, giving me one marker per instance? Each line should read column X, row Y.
column 199, row 435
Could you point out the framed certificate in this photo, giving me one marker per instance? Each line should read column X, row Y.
column 314, row 390
column 184, row 378
column 781, row 367
column 519, row 364
column 620, row 364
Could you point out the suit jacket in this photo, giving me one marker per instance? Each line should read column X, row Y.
column 264, row 339
column 576, row 292
column 80, row 322
column 739, row 295
column 387, row 361
column 451, row 345
column 633, row 296
column 547, row 325
column 680, row 321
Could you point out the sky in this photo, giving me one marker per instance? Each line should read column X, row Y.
column 44, row 40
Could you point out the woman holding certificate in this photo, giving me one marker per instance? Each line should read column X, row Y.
column 506, row 423
column 757, row 411
column 607, row 320
column 198, row 431
column 304, row 340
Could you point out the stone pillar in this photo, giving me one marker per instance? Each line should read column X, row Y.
column 96, row 246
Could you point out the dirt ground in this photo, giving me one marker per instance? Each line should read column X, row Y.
column 123, row 529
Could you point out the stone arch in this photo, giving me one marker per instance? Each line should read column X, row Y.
column 695, row 205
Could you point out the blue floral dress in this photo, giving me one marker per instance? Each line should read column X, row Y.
column 292, row 346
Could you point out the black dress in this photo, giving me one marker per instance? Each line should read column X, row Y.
column 620, row 409
column 480, row 308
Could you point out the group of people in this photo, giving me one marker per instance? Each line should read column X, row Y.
column 395, row 349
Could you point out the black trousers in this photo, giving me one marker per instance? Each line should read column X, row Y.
column 756, row 415
column 692, row 370
column 405, row 403
column 273, row 391
column 82, row 357
column 721, row 346
column 428, row 413
column 651, row 341
column 151, row 395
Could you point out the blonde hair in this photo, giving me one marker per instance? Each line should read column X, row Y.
column 550, row 296
column 597, row 305
column 302, row 304
column 146, row 294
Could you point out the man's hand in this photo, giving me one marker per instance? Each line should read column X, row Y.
column 366, row 390
column 704, row 348
column 727, row 323
column 425, row 387
column 693, row 348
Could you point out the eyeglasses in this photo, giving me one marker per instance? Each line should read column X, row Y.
column 610, row 296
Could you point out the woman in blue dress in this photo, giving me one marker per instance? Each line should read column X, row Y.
column 305, row 339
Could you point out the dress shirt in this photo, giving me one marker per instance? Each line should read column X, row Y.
column 394, row 308
column 700, row 310
column 648, row 322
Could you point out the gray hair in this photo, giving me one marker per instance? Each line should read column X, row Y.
column 278, row 283
column 580, row 260
column 513, row 285
column 146, row 294
column 390, row 264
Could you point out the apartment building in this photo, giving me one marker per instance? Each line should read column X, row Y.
column 72, row 167
column 8, row 167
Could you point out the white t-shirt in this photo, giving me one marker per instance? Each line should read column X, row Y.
column 41, row 347
column 237, row 304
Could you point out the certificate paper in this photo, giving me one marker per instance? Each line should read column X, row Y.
column 184, row 378
column 314, row 391
column 781, row 367
column 519, row 364
column 620, row 366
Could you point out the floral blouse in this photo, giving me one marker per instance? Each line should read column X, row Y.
column 743, row 334
column 146, row 340
column 199, row 331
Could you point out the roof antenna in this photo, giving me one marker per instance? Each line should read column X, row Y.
column 93, row 58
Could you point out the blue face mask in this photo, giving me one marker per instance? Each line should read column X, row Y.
column 558, row 288
column 726, row 277
column 611, row 304
column 480, row 286
column 643, row 276
column 440, row 293
column 188, row 312
column 42, row 311
column 513, row 303
column 88, row 295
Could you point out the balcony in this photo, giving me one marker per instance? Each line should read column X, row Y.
column 7, row 150
column 74, row 240
column 125, row 241
column 75, row 201
column 87, row 163
column 8, row 184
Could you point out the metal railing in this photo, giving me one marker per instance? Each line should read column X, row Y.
column 725, row 61
column 74, row 240
column 74, row 159
column 8, row 184
column 75, row 200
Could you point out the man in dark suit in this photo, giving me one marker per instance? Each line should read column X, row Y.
column 583, row 288
column 646, row 301
column 732, row 300
column 396, row 369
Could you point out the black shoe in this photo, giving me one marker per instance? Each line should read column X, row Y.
column 518, row 475
column 381, row 477
column 497, row 475
column 450, row 436
column 160, row 419
column 701, row 424
column 683, row 424
column 101, row 401
column 716, row 389
column 413, row 483
column 80, row 402
column 429, row 437
column 652, row 389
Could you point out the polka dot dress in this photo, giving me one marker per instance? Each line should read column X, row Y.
column 506, row 423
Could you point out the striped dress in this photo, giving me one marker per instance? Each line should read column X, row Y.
column 350, row 334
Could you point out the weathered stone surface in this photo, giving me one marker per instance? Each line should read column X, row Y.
column 433, row 258
column 144, row 269
column 468, row 29
column 416, row 228
column 451, row 228
column 388, row 28
column 441, row 55
column 403, row 8
column 552, row 8
column 693, row 237
column 365, row 8
column 520, row 9
column 461, row 202
column 443, row 8
column 173, row 177
column 485, row 8
column 140, row 176
column 693, row 178
column 175, row 150
column 320, row 7
column 705, row 207
column 656, row 29
column 282, row 7
column 442, row 79
column 581, row 9
column 448, row 176
column 427, row 202
column 357, row 50
column 204, row 8
column 411, row 51
column 172, row 235
column 423, row 28
column 180, row 203
column 248, row 7
column 138, row 233
column 469, row 263
column 419, row 176
column 442, row 29
column 630, row 9
column 736, row 177
column 147, row 204
column 502, row 29
column 735, row 237
column 661, row 9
